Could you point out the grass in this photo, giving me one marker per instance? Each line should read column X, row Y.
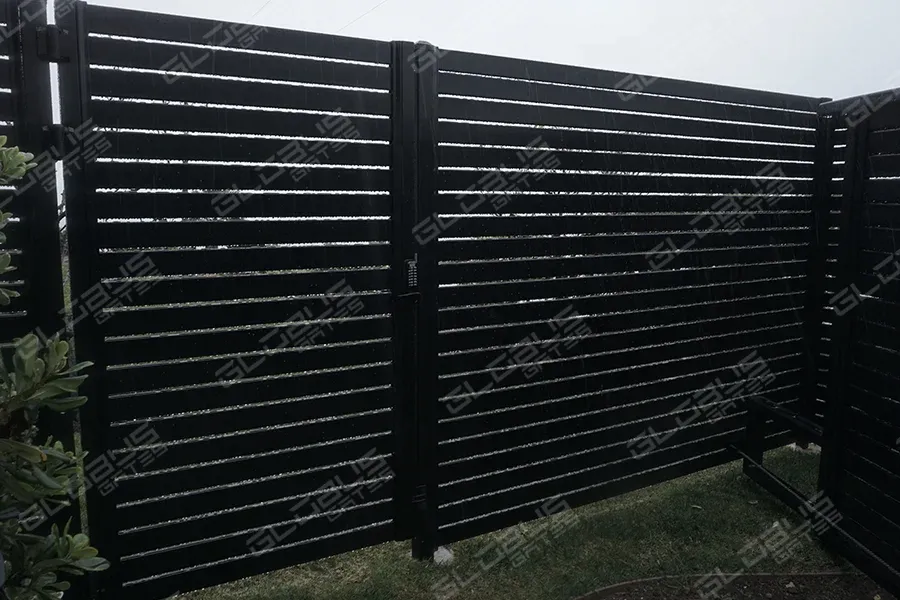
column 686, row 526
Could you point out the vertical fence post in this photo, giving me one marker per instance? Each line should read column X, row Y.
column 83, row 258
column 852, row 206
column 35, row 201
column 415, row 283
column 41, row 264
column 425, row 156
column 403, row 283
column 820, row 207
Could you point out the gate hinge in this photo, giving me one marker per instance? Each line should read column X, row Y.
column 50, row 41
column 57, row 140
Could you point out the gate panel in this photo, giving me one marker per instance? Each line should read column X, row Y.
column 236, row 222
column 614, row 252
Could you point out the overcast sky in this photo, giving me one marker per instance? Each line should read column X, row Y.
column 833, row 48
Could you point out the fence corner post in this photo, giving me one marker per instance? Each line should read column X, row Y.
column 819, row 207
column 852, row 205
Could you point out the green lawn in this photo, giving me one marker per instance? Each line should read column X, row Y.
column 690, row 525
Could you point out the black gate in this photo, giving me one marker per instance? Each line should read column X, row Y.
column 341, row 291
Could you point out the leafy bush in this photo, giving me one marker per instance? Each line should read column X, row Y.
column 38, row 378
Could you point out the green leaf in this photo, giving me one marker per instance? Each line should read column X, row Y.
column 92, row 564
column 30, row 453
column 39, row 369
column 79, row 367
column 45, row 479
column 6, row 296
column 67, row 384
column 65, row 404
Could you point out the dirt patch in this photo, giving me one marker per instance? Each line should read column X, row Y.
column 750, row 587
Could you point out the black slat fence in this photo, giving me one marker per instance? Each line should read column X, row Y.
column 341, row 291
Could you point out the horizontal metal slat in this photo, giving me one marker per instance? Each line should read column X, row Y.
column 475, row 181
column 550, row 266
column 237, row 231
column 884, row 142
column 450, row 132
column 880, row 360
column 887, row 116
column 660, row 343
column 244, row 564
column 290, row 330
column 518, row 226
column 631, row 385
column 568, row 486
column 481, row 460
column 155, row 319
column 180, row 117
column 885, row 165
column 864, row 418
column 657, row 244
column 507, row 112
column 295, row 358
column 618, row 283
column 250, row 525
column 877, row 526
column 274, row 258
column 613, row 448
column 587, row 413
column 227, row 420
column 474, row 156
column 467, row 62
column 462, row 84
column 757, row 294
column 134, row 84
column 592, row 492
column 168, row 401
column 236, row 286
column 211, row 205
column 228, row 60
column 323, row 444
column 637, row 202
column 117, row 21
column 330, row 149
column 242, row 473
column 231, row 177
column 712, row 315
column 872, row 473
column 870, row 496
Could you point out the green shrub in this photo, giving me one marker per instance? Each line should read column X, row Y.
column 32, row 474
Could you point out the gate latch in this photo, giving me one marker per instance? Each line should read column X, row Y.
column 412, row 273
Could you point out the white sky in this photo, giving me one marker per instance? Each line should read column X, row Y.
column 831, row 48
